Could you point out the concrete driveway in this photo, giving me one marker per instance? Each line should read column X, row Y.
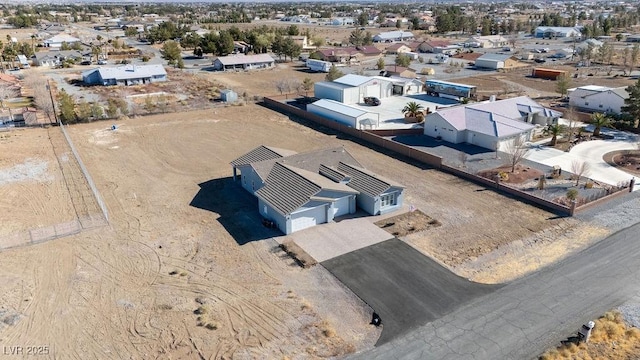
column 591, row 152
column 327, row 241
column 406, row 288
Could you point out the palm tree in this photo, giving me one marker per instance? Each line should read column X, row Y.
column 412, row 109
column 33, row 47
column 599, row 120
column 554, row 130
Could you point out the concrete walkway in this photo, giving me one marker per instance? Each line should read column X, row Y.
column 591, row 152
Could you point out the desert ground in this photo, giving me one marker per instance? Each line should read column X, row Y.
column 165, row 279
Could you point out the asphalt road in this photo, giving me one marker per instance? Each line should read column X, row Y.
column 406, row 288
column 529, row 315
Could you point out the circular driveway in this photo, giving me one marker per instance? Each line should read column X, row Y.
column 592, row 152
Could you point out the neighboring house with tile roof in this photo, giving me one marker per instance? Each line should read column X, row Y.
column 297, row 191
column 598, row 98
column 398, row 48
column 489, row 124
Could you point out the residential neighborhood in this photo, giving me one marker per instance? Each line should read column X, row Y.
column 320, row 180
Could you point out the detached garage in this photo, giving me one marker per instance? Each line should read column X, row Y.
column 344, row 114
column 342, row 93
column 496, row 61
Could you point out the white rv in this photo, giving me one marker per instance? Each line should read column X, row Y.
column 318, row 65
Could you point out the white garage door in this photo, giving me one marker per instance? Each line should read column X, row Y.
column 372, row 90
column 341, row 207
column 308, row 218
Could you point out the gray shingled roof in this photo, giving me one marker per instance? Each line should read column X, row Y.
column 261, row 153
column 365, row 181
column 331, row 173
column 285, row 190
column 310, row 161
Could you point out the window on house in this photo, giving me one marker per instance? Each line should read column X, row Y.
column 600, row 106
column 586, row 103
column 387, row 200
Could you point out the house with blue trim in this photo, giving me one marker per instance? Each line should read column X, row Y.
column 298, row 191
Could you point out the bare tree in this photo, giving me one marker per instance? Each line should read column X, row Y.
column 41, row 96
column 8, row 92
column 283, row 85
column 516, row 150
column 463, row 157
column 579, row 169
column 570, row 116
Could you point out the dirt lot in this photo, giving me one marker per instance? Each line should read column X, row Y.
column 167, row 279
column 32, row 188
column 262, row 82
column 521, row 81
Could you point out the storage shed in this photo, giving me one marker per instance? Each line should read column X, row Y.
column 547, row 73
column 344, row 114
column 228, row 96
column 343, row 93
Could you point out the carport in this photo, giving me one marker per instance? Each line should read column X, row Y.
column 406, row 288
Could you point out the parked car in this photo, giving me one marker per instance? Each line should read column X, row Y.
column 102, row 62
column 373, row 101
column 540, row 60
column 86, row 62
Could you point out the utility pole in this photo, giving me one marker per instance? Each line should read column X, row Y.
column 53, row 103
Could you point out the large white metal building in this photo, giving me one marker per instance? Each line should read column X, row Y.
column 344, row 114
column 352, row 89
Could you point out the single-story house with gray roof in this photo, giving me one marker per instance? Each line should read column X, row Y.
column 297, row 191
column 125, row 75
column 243, row 62
column 489, row 124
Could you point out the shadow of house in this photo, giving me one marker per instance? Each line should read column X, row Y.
column 236, row 208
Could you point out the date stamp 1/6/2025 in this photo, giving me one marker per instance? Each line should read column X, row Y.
column 25, row 350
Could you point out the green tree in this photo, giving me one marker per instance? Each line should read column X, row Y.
column 334, row 73
column 632, row 103
column 403, row 60
column 380, row 64
column 599, row 120
column 554, row 130
column 293, row 30
column 357, row 37
column 619, row 37
column 635, row 52
column 190, row 41
column 412, row 109
column 131, row 31
column 572, row 194
column 307, row 84
column 83, row 110
column 399, row 24
column 171, row 52
column 112, row 108
column 180, row 63
column 415, row 23
column 562, row 84
column 66, row 106
column 96, row 111
column 363, row 19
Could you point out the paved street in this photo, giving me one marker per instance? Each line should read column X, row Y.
column 529, row 315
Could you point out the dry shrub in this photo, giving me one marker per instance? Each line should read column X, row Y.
column 633, row 333
column 327, row 329
column 306, row 305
